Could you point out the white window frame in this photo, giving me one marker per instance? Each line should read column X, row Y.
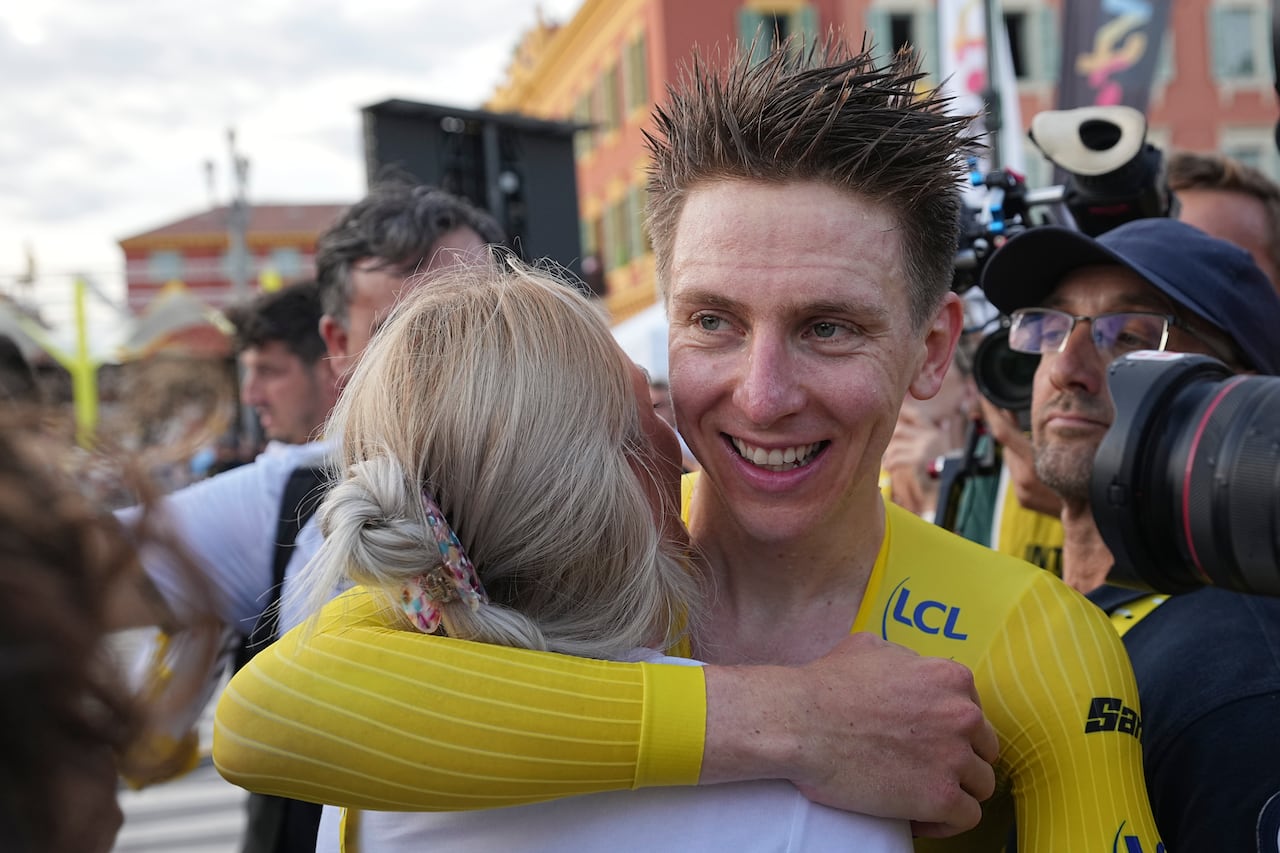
column 165, row 265
column 1258, row 138
column 635, row 75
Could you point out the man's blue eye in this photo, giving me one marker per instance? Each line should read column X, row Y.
column 709, row 323
column 825, row 330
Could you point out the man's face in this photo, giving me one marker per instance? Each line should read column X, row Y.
column 791, row 349
column 376, row 288
column 1071, row 406
column 292, row 398
column 1232, row 216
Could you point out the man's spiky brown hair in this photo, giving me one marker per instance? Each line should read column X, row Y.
column 829, row 115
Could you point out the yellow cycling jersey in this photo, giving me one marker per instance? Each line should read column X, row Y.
column 1025, row 533
column 1053, row 678
column 360, row 713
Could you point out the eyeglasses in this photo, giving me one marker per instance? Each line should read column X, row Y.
column 1045, row 330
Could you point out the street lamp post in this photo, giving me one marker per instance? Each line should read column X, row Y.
column 238, row 263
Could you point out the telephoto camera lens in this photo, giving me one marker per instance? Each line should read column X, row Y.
column 1186, row 483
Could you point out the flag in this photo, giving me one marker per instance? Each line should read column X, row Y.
column 1110, row 50
column 962, row 62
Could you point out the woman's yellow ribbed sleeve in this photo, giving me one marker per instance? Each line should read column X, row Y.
column 356, row 712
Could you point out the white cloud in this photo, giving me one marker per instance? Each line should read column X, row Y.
column 112, row 109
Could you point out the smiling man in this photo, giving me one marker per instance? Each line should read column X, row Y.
column 804, row 213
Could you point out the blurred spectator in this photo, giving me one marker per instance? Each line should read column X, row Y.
column 63, row 707
column 285, row 376
column 172, row 406
column 926, row 431
column 1231, row 201
column 17, row 378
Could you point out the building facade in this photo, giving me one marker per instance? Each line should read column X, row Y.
column 610, row 64
column 280, row 244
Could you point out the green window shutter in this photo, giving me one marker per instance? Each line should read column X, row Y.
column 1164, row 59
column 926, row 42
column 624, row 231
column 878, row 32
column 621, row 247
column 1050, row 43
column 750, row 25
column 1267, row 64
column 1219, row 42
column 638, row 88
column 635, row 201
column 805, row 22
column 610, row 248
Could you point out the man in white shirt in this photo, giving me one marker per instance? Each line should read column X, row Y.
column 237, row 534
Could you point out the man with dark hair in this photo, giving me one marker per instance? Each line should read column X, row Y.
column 249, row 531
column 397, row 231
column 1231, row 201
column 284, row 375
column 1205, row 661
column 419, row 229
column 804, row 213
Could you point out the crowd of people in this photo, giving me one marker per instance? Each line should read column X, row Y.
column 490, row 586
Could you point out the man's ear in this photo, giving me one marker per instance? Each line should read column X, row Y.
column 338, row 342
column 939, row 347
column 334, row 335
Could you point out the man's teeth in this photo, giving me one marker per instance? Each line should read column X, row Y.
column 779, row 459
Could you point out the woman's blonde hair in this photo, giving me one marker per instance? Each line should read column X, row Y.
column 499, row 389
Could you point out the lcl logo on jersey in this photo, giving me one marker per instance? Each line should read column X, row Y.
column 1133, row 844
column 931, row 617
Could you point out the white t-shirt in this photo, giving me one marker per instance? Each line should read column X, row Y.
column 227, row 525
column 743, row 817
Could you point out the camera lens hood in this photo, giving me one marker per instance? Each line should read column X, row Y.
column 1186, row 484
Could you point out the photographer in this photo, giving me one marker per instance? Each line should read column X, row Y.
column 1205, row 661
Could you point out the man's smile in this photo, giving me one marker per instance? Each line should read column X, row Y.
column 778, row 458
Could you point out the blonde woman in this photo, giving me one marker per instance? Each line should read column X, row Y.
column 506, row 480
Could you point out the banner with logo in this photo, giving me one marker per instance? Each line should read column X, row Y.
column 1109, row 51
column 962, row 64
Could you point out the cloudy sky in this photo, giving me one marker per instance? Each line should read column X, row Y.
column 111, row 109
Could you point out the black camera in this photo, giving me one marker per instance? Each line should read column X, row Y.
column 1004, row 376
column 1186, row 483
column 1113, row 175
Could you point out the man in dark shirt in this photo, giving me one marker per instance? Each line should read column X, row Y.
column 1207, row 662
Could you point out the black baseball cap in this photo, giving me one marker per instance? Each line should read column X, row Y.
column 1213, row 279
